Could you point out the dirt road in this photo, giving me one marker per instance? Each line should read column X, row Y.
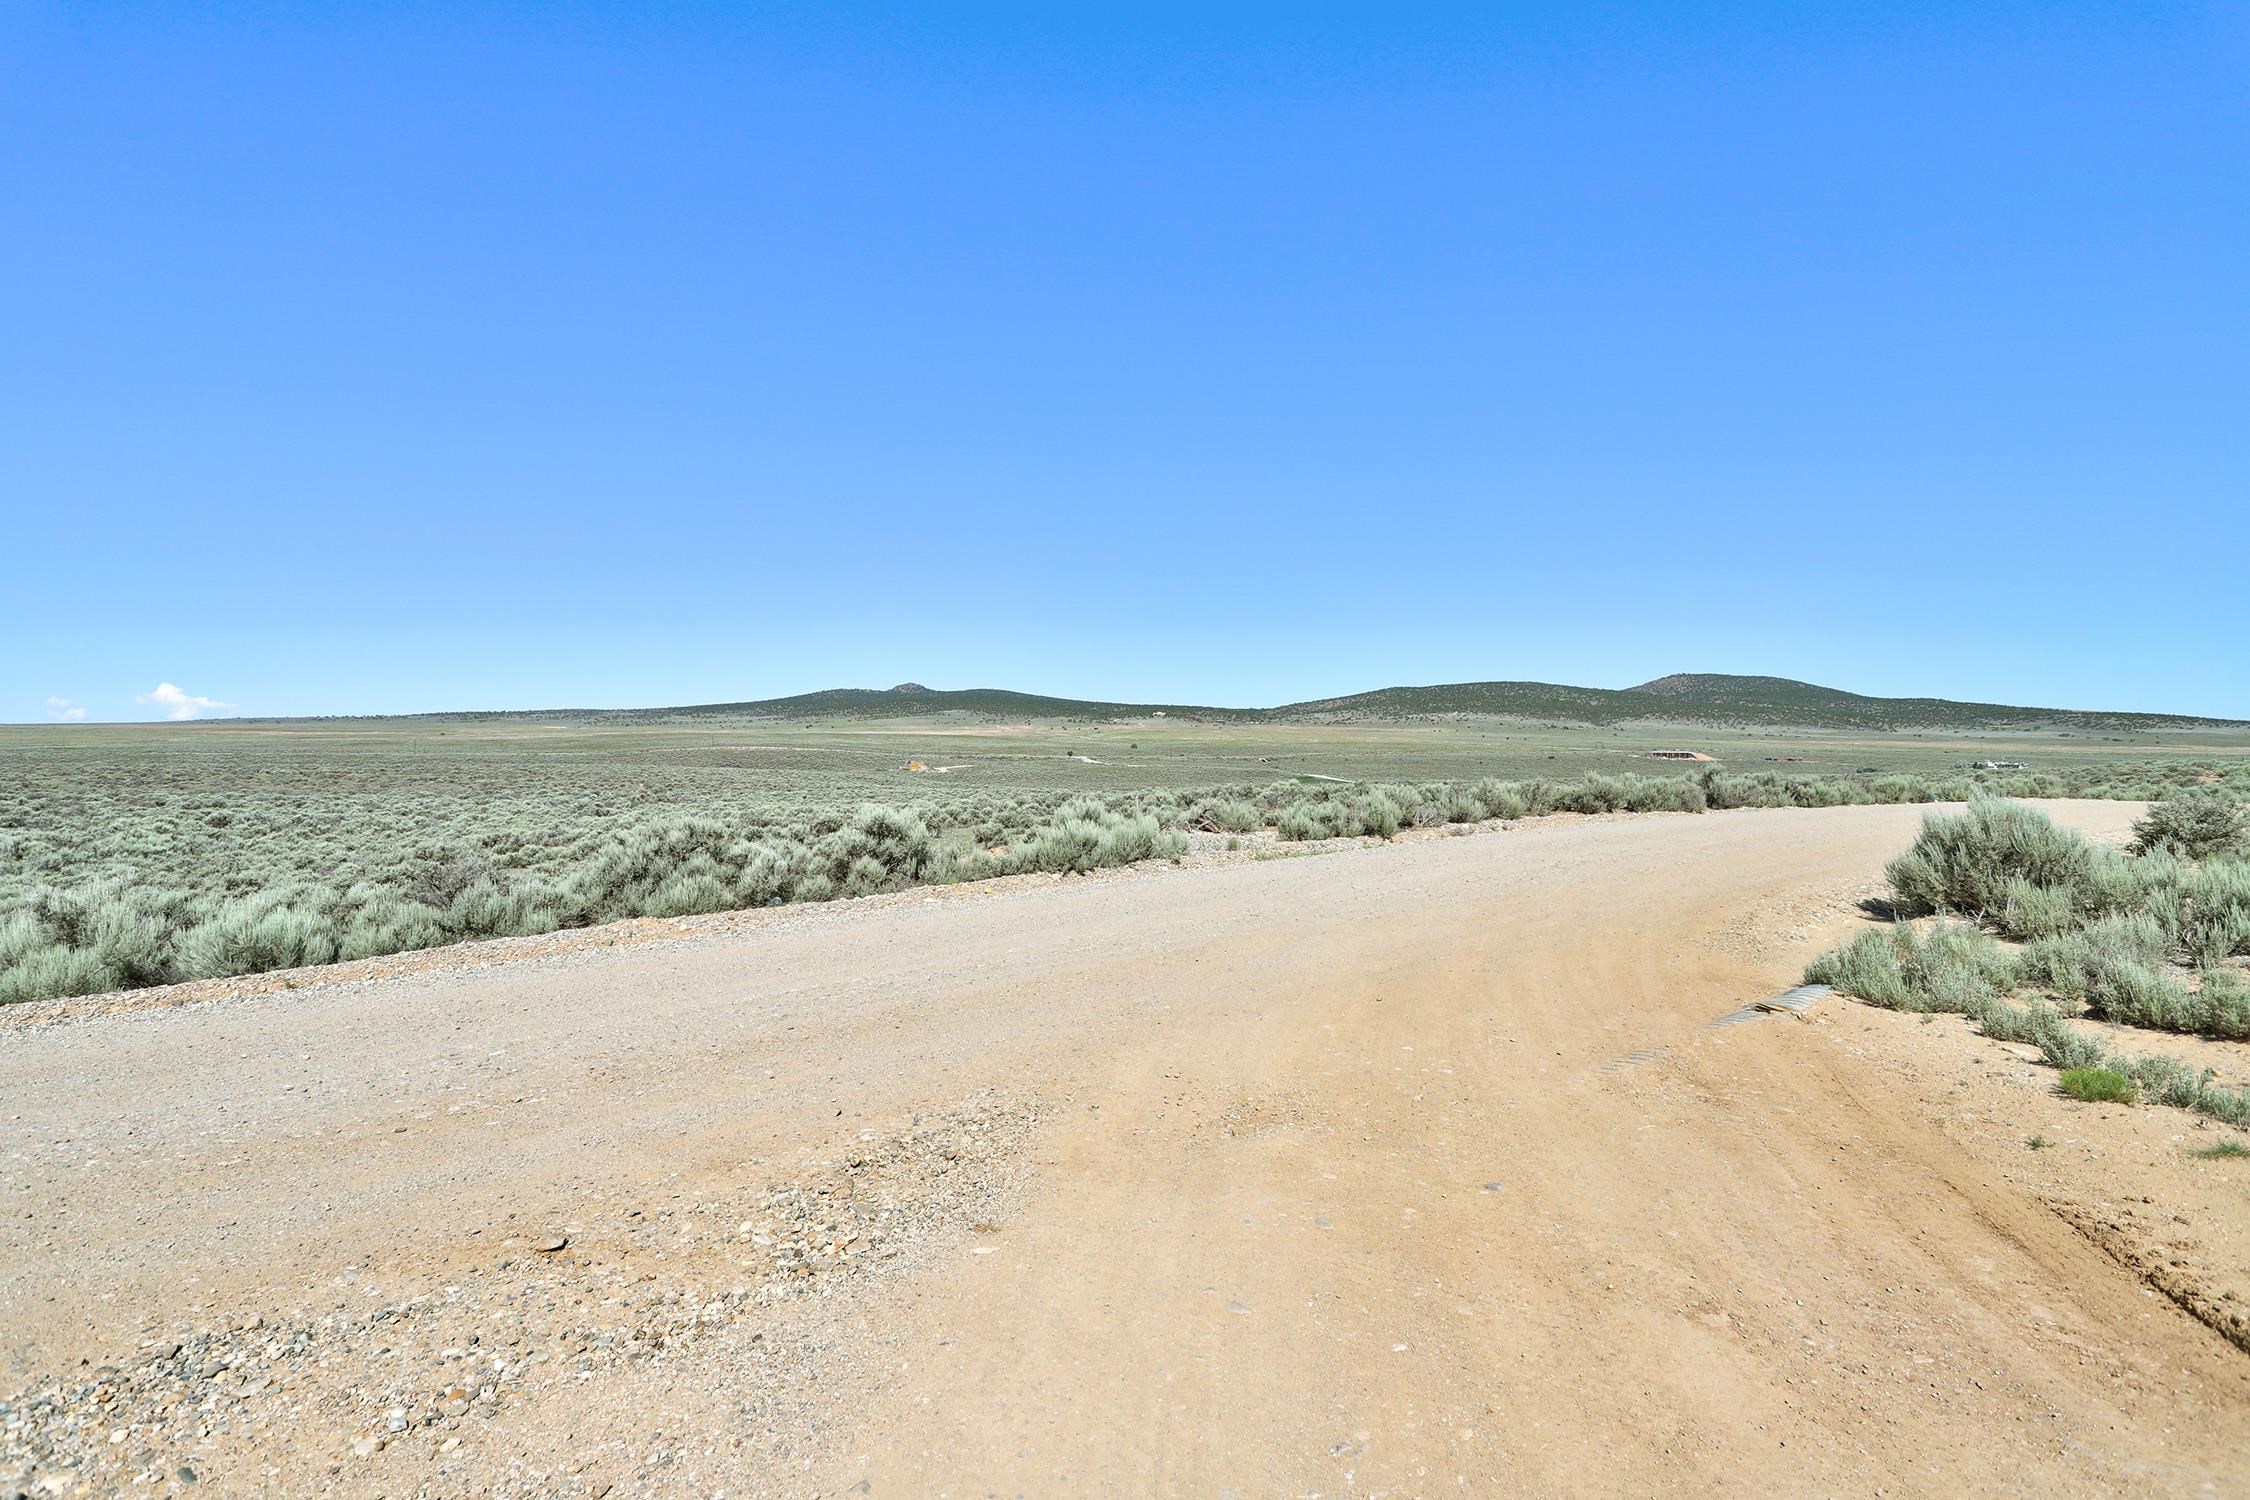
column 1415, row 1170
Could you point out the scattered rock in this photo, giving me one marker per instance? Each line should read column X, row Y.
column 358, row 1379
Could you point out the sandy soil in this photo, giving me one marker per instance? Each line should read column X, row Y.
column 1404, row 1171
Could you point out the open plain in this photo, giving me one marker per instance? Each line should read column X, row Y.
column 1410, row 1169
column 1048, row 752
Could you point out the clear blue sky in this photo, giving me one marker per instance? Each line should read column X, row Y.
column 391, row 357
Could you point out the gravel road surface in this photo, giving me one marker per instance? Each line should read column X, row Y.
column 1410, row 1170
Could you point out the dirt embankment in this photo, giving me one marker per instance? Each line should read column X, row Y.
column 1412, row 1170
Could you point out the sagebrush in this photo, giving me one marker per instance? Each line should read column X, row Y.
column 129, row 867
column 2144, row 940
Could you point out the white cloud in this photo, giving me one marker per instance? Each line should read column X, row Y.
column 65, row 710
column 182, row 705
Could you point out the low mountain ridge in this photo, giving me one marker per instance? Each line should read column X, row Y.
column 1686, row 698
column 912, row 698
column 1786, row 701
column 1714, row 699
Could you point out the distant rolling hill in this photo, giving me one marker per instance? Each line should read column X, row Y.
column 912, row 698
column 1719, row 699
column 1780, row 700
column 1690, row 698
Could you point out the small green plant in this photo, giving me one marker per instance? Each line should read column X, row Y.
column 2222, row 1151
column 2039, row 1143
column 2097, row 1085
